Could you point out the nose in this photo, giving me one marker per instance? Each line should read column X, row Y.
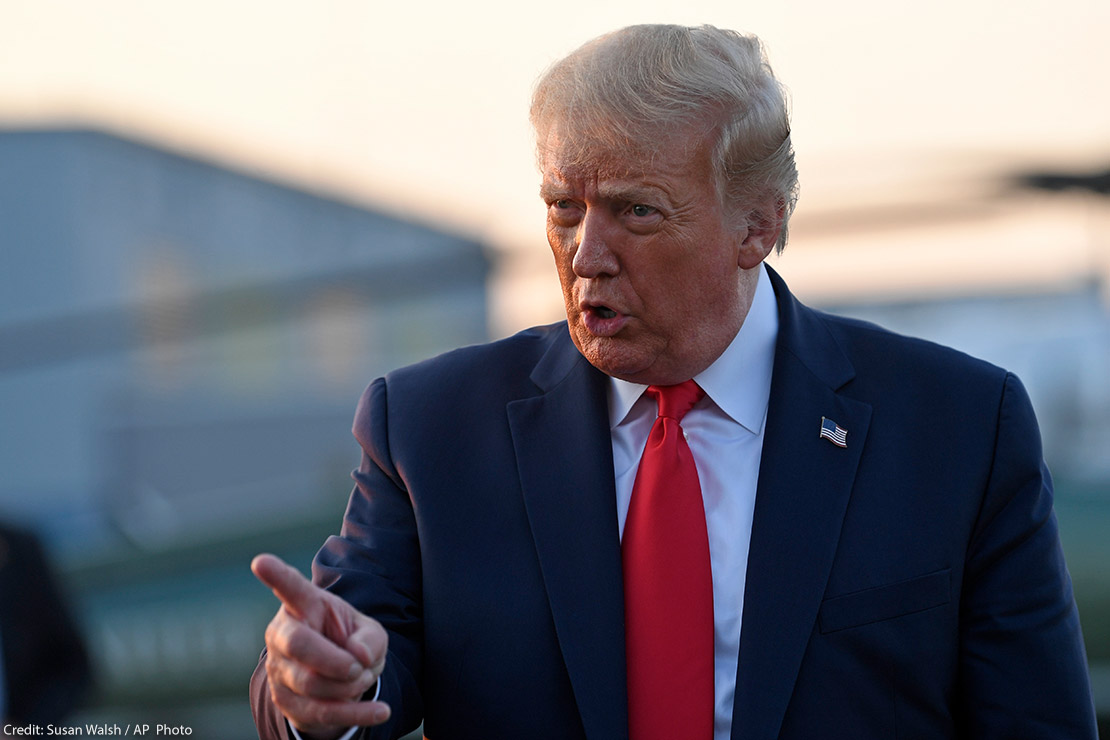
column 593, row 255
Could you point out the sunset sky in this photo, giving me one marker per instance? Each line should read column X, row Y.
column 421, row 108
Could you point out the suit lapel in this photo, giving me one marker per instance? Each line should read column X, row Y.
column 564, row 458
column 802, row 494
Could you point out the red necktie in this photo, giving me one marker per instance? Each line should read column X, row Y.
column 668, row 584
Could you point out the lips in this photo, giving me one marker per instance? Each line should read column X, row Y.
column 602, row 320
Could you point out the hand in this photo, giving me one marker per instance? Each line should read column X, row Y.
column 322, row 654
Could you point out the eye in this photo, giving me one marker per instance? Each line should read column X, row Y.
column 562, row 212
column 639, row 210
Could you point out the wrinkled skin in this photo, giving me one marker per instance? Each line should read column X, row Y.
column 657, row 275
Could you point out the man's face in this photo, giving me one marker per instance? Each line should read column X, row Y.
column 655, row 277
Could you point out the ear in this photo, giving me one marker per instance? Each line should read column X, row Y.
column 764, row 224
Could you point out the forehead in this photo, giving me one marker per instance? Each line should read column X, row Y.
column 666, row 156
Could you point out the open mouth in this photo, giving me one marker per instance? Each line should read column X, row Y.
column 601, row 320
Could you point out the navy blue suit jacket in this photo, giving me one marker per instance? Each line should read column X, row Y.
column 909, row 585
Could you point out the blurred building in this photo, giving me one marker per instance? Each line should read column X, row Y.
column 181, row 350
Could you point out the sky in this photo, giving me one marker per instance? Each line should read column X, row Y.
column 421, row 108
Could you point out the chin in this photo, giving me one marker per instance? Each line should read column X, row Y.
column 617, row 356
column 617, row 364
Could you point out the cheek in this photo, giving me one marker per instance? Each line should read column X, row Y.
column 563, row 268
column 556, row 239
column 677, row 289
column 562, row 250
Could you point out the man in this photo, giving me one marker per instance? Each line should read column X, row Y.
column 871, row 553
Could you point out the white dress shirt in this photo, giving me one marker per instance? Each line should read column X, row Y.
column 725, row 433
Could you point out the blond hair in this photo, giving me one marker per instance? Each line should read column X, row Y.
column 619, row 92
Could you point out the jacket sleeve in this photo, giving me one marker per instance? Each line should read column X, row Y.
column 374, row 564
column 1023, row 670
column 268, row 720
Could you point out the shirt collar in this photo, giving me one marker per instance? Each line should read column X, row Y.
column 739, row 381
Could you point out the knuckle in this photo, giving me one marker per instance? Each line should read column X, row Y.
column 272, row 630
column 297, row 642
column 285, row 701
column 279, row 630
column 308, row 684
column 303, row 685
column 300, row 681
column 292, row 677
column 273, row 668
column 320, row 714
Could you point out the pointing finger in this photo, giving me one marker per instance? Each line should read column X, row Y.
column 296, row 592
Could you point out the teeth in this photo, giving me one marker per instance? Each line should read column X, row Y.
column 605, row 312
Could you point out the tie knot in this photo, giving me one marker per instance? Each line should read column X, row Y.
column 675, row 400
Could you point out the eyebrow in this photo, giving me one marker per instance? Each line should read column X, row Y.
column 632, row 193
column 620, row 192
column 551, row 190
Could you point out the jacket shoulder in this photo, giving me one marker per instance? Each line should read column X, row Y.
column 873, row 348
column 477, row 375
column 509, row 360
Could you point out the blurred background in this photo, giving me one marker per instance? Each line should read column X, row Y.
column 219, row 220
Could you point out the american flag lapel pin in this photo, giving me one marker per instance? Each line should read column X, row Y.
column 833, row 432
